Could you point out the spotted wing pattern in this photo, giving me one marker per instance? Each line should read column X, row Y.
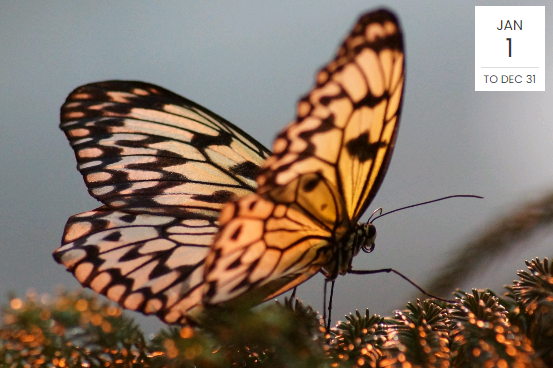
column 326, row 167
column 346, row 127
column 263, row 248
column 143, row 148
column 145, row 262
column 163, row 166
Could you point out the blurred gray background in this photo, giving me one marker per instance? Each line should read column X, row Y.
column 250, row 61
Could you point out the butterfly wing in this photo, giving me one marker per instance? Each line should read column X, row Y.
column 144, row 262
column 326, row 167
column 143, row 148
column 346, row 127
column 164, row 166
column 262, row 250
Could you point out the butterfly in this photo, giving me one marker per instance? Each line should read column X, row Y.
column 197, row 214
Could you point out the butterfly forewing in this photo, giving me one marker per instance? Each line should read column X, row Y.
column 326, row 167
column 143, row 148
column 346, row 127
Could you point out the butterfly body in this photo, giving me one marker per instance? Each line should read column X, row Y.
column 362, row 236
column 196, row 213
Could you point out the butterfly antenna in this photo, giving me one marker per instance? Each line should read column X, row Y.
column 379, row 209
column 420, row 204
column 388, row 270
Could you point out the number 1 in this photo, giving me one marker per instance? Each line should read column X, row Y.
column 509, row 39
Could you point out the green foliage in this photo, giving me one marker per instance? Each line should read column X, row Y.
column 534, row 291
column 358, row 340
column 419, row 336
column 480, row 329
column 69, row 331
column 483, row 336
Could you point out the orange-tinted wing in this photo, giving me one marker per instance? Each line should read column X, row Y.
column 346, row 127
column 262, row 250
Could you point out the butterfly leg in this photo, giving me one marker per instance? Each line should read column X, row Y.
column 324, row 301
column 293, row 296
column 388, row 270
column 329, row 309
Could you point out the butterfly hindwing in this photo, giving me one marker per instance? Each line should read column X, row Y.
column 264, row 249
column 326, row 167
column 149, row 263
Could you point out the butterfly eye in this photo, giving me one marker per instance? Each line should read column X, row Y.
column 369, row 236
column 368, row 247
